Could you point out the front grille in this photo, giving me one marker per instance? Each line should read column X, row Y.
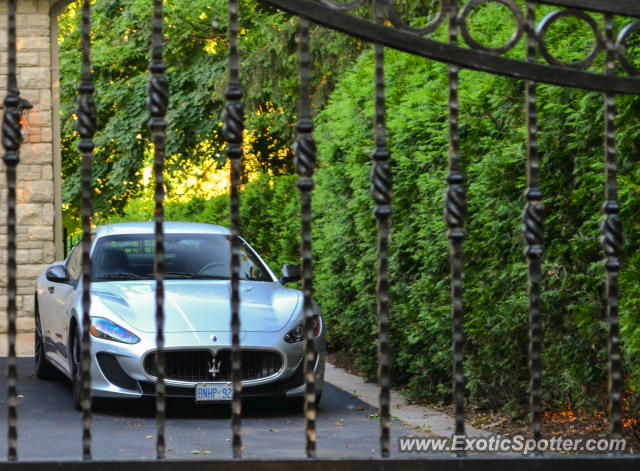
column 194, row 365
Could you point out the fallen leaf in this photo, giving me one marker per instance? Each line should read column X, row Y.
column 273, row 430
column 148, row 437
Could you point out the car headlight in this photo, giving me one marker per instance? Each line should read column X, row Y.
column 296, row 334
column 108, row 330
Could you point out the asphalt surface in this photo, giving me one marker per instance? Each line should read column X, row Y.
column 50, row 428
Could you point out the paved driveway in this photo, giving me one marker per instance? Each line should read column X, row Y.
column 50, row 428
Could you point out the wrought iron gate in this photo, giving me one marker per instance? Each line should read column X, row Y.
column 376, row 21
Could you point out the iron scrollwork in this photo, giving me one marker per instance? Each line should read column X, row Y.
column 396, row 33
column 395, row 20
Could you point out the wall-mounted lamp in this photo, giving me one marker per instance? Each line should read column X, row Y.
column 24, row 107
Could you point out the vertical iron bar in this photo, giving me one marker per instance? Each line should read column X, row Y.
column 305, row 162
column 65, row 242
column 11, row 140
column 455, row 209
column 86, row 126
column 158, row 101
column 612, row 239
column 381, row 189
column 233, row 130
column 533, row 228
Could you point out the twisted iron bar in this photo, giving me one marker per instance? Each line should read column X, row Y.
column 86, row 126
column 533, row 229
column 233, row 131
column 158, row 102
column 305, row 162
column 455, row 209
column 381, row 189
column 11, row 140
column 612, row 242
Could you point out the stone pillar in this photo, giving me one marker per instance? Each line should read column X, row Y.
column 36, row 211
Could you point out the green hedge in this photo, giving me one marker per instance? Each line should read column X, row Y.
column 493, row 137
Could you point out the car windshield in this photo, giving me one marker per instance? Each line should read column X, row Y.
column 187, row 256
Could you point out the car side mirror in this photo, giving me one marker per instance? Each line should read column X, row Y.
column 57, row 273
column 290, row 273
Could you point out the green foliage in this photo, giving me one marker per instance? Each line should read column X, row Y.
column 493, row 137
column 196, row 54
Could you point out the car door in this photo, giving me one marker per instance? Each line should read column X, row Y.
column 62, row 300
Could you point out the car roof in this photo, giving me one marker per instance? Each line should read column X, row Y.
column 170, row 227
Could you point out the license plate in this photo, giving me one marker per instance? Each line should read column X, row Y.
column 209, row 392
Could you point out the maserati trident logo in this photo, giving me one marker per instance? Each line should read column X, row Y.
column 214, row 368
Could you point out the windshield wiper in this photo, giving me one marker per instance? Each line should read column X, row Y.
column 194, row 276
column 116, row 276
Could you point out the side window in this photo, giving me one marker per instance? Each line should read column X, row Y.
column 74, row 264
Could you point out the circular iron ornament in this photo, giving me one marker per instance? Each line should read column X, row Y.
column 344, row 6
column 517, row 34
column 621, row 47
column 396, row 21
column 551, row 18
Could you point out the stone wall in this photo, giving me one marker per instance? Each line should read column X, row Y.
column 36, row 211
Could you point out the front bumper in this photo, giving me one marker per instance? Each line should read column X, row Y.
column 117, row 369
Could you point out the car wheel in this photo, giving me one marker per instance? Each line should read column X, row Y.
column 44, row 369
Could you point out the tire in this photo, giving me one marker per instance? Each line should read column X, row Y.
column 44, row 369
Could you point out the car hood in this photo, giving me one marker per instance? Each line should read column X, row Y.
column 198, row 305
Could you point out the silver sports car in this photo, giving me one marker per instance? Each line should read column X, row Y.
column 197, row 325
